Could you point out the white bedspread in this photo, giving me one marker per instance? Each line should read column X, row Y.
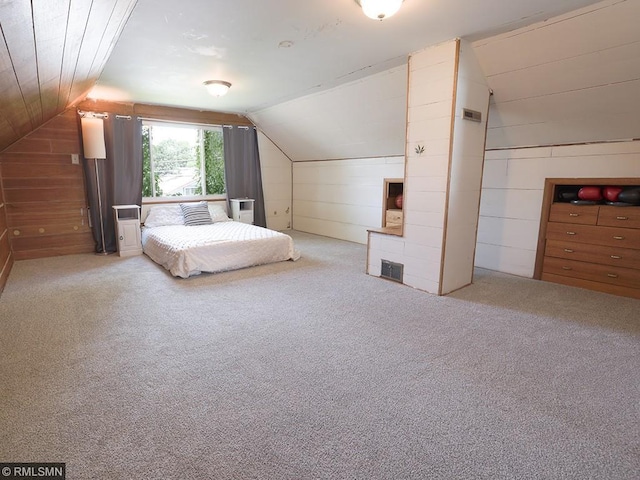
column 191, row 250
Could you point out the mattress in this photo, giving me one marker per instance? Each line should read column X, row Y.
column 222, row 246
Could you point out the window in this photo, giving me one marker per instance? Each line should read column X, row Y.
column 181, row 160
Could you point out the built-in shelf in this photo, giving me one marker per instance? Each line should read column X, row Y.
column 392, row 212
column 590, row 234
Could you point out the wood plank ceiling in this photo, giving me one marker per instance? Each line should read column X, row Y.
column 51, row 53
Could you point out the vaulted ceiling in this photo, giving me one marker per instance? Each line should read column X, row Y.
column 53, row 53
column 277, row 50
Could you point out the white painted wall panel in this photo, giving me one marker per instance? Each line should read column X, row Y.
column 428, row 165
column 362, row 119
column 465, row 174
column 440, row 109
column 512, row 194
column 424, row 219
column 423, row 235
column 339, row 212
column 604, row 127
column 510, row 232
column 600, row 26
column 342, row 231
column 571, row 79
column 275, row 169
column 511, row 203
column 516, row 261
column 429, row 125
column 341, row 198
column 422, row 201
column 438, row 55
column 617, row 64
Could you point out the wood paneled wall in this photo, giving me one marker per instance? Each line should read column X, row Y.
column 45, row 197
column 51, row 53
column 44, row 192
column 6, row 258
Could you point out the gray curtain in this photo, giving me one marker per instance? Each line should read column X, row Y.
column 242, row 168
column 120, row 176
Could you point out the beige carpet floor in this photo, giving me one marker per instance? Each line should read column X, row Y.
column 313, row 370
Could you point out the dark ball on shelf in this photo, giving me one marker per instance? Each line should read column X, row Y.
column 630, row 195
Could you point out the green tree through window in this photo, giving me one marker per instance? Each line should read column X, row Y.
column 147, row 189
column 182, row 160
column 213, row 163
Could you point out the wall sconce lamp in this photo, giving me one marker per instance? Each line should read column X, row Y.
column 217, row 88
column 94, row 147
column 379, row 9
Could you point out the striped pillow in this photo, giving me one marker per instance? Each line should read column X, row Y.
column 196, row 214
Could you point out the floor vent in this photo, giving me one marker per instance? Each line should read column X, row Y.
column 392, row 271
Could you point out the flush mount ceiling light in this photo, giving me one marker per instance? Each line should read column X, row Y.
column 379, row 9
column 217, row 88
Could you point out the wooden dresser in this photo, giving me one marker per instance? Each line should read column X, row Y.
column 591, row 246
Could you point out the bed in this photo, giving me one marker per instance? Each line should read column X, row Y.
column 191, row 238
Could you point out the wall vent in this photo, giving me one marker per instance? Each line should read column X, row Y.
column 392, row 271
column 473, row 115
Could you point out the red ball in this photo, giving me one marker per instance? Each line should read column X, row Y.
column 399, row 201
column 590, row 193
column 611, row 193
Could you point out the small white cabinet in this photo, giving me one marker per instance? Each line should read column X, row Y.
column 242, row 209
column 127, row 222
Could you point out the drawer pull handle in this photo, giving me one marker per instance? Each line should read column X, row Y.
column 622, row 218
column 574, row 214
column 618, row 237
column 571, row 233
column 568, row 250
column 566, row 268
column 612, row 275
column 616, row 257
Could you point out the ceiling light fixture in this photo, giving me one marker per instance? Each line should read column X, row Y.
column 217, row 88
column 379, row 9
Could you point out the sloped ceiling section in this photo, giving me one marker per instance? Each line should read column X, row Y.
column 572, row 79
column 51, row 53
column 364, row 118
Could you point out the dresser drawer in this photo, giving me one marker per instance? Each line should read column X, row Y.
column 570, row 213
column 586, row 252
column 626, row 217
column 625, row 277
column 596, row 235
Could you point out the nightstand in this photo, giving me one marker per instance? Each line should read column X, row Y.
column 242, row 209
column 127, row 223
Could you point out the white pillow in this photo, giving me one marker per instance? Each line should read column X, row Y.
column 164, row 215
column 218, row 213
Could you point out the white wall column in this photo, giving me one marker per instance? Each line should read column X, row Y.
column 442, row 179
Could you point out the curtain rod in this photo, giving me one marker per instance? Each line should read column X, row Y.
column 177, row 122
column 180, row 122
column 84, row 114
